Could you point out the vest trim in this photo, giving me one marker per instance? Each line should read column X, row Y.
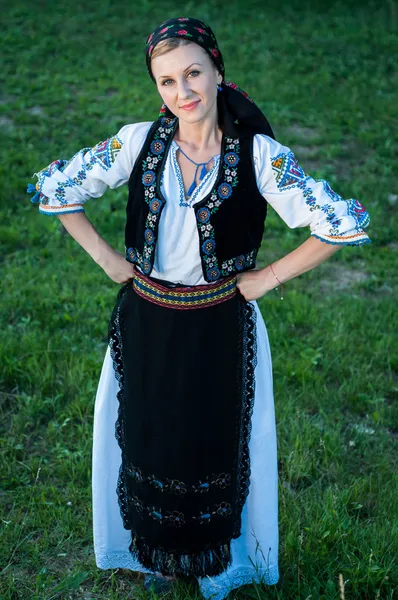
column 151, row 166
column 215, row 262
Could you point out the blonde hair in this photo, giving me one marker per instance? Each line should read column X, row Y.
column 167, row 45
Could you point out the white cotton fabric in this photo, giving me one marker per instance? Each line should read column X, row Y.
column 177, row 259
column 259, row 539
column 85, row 177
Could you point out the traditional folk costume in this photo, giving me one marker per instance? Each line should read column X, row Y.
column 184, row 452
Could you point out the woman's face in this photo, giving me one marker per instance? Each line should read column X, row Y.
column 187, row 76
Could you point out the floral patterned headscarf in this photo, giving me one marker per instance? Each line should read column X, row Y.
column 233, row 103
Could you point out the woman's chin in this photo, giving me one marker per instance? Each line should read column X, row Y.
column 192, row 117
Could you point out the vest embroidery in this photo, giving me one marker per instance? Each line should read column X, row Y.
column 149, row 178
column 152, row 170
column 206, row 230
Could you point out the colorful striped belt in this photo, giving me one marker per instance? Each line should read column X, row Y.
column 184, row 297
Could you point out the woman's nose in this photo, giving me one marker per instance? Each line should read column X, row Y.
column 184, row 90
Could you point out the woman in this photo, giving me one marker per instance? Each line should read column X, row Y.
column 185, row 485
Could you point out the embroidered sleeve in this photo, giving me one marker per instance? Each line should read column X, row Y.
column 65, row 185
column 301, row 200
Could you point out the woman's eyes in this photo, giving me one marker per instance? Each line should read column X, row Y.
column 190, row 73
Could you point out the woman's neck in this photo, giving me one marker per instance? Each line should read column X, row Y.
column 199, row 136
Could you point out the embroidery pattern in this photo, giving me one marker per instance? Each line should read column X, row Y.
column 344, row 240
column 187, row 28
column 150, row 167
column 238, row 89
column 359, row 213
column 177, row 518
column 174, row 486
column 227, row 181
column 181, row 183
column 289, row 174
column 56, row 165
column 240, row 262
column 73, row 181
column 103, row 153
column 206, row 231
column 106, row 152
column 195, row 297
column 160, row 557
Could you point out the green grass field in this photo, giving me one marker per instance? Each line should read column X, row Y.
column 326, row 76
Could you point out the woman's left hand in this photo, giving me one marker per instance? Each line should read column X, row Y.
column 252, row 284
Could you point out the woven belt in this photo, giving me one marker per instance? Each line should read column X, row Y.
column 184, row 297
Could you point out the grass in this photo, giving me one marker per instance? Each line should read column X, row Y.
column 325, row 75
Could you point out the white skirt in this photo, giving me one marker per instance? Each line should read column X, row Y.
column 255, row 551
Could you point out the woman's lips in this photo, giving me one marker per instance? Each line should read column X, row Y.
column 190, row 106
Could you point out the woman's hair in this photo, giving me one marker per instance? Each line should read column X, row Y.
column 167, row 45
column 171, row 43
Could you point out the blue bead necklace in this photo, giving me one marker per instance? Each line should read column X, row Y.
column 202, row 173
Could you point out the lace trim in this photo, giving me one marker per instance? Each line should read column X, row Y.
column 341, row 240
column 247, row 380
column 116, row 351
column 218, row 588
column 214, row 588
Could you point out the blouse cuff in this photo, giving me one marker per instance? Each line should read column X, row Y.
column 348, row 225
column 355, row 238
column 45, row 205
column 54, row 182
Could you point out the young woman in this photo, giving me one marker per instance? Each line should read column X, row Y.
column 184, row 453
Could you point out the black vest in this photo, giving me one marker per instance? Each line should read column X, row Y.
column 230, row 219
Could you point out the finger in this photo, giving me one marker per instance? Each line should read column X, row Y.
column 240, row 292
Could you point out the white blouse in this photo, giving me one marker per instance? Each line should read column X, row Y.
column 64, row 186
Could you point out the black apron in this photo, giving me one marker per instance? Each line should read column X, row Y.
column 184, row 357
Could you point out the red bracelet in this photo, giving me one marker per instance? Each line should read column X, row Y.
column 281, row 284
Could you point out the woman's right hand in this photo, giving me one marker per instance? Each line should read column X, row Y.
column 117, row 267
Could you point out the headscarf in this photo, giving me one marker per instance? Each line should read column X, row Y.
column 234, row 105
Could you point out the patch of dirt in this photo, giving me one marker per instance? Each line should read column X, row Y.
column 6, row 99
column 392, row 199
column 6, row 123
column 307, row 133
column 393, row 245
column 351, row 152
column 307, row 151
column 341, row 277
column 37, row 111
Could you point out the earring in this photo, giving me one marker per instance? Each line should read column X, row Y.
column 219, row 87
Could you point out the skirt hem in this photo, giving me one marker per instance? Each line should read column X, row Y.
column 210, row 588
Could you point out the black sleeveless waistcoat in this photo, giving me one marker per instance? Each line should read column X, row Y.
column 230, row 219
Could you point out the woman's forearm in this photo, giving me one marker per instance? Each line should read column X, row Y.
column 81, row 229
column 307, row 256
column 304, row 258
